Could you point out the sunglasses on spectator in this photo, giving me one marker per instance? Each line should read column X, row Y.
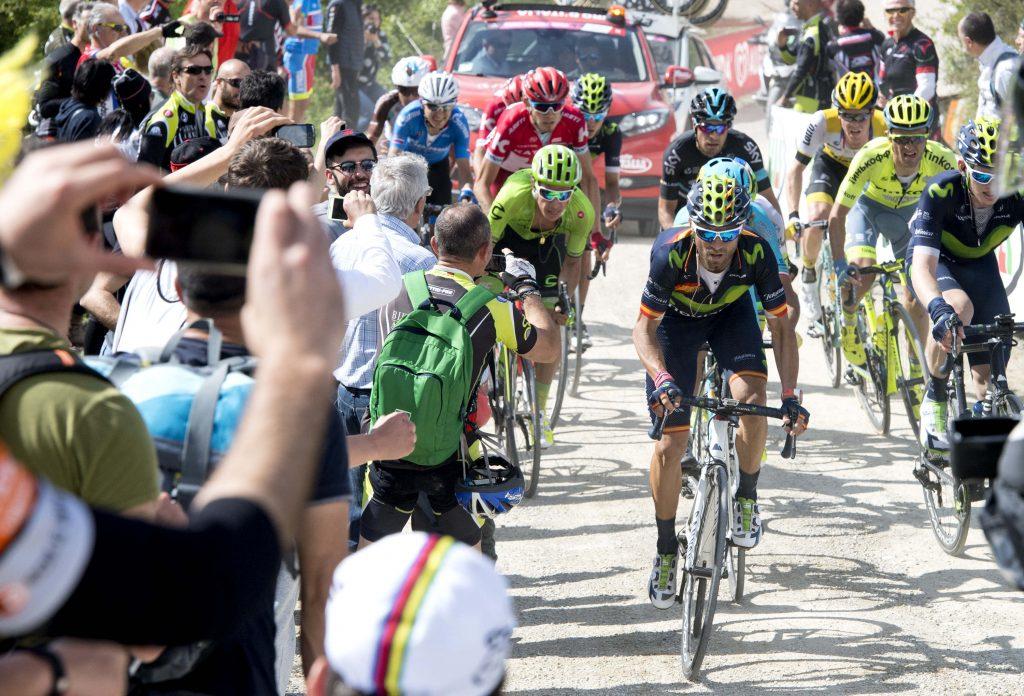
column 600, row 116
column 713, row 128
column 553, row 195
column 981, row 177
column 438, row 107
column 197, row 69
column 904, row 140
column 546, row 107
column 708, row 235
column 235, row 82
column 854, row 116
column 898, row 10
column 119, row 28
column 349, row 168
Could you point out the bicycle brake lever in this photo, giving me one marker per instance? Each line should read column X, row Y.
column 789, row 449
column 658, row 428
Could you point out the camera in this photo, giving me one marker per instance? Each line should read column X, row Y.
column 371, row 28
column 976, row 445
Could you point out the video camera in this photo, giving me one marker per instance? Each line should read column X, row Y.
column 976, row 445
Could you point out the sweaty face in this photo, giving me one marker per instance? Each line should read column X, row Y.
column 194, row 87
column 710, row 144
column 715, row 256
column 358, row 180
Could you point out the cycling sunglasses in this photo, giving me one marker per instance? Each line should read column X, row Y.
column 902, row 140
column 981, row 177
column 438, row 107
column 898, row 10
column 546, row 107
column 553, row 195
column 713, row 128
column 235, row 82
column 119, row 28
column 198, row 69
column 855, row 116
column 595, row 117
column 709, row 235
column 349, row 168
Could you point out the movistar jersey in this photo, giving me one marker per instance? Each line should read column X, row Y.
column 674, row 281
column 873, row 173
column 607, row 142
column 825, row 134
column 411, row 134
column 945, row 221
column 514, row 208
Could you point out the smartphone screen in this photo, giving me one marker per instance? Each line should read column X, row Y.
column 202, row 226
column 496, row 264
column 298, row 134
column 336, row 208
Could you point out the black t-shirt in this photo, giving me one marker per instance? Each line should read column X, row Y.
column 607, row 142
column 61, row 65
column 858, row 50
column 259, row 19
column 902, row 61
column 683, row 161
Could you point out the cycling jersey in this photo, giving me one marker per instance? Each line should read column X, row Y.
column 765, row 221
column 514, row 140
column 682, row 162
column 812, row 80
column 675, row 282
column 825, row 135
column 608, row 142
column 856, row 49
column 903, row 60
column 514, row 208
column 945, row 221
column 492, row 112
column 169, row 125
column 411, row 134
column 873, row 173
column 312, row 18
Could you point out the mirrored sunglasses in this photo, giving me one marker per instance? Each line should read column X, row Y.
column 981, row 177
column 553, row 195
column 708, row 235
column 713, row 128
column 438, row 107
column 546, row 107
column 595, row 117
column 349, row 168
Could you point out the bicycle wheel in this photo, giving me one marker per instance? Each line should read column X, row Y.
column 560, row 384
column 910, row 368
column 1008, row 405
column 577, row 367
column 666, row 5
column 703, row 568
column 524, row 431
column 948, row 503
column 716, row 11
column 830, row 321
column 737, row 568
column 872, row 388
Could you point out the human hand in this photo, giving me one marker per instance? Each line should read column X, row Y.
column 328, row 39
column 93, row 667
column 612, row 216
column 252, row 123
column 169, row 513
column 601, row 244
column 519, row 274
column 357, row 204
column 41, row 230
column 796, row 416
column 393, row 436
column 943, row 316
column 332, row 125
column 667, row 395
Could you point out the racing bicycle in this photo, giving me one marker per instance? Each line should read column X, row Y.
column 571, row 333
column 829, row 329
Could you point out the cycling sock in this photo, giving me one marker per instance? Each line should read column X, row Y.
column 808, row 263
column 667, row 542
column 748, row 485
column 936, row 388
column 542, row 395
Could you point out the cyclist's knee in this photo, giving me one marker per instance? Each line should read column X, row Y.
column 749, row 388
column 818, row 210
column 961, row 304
column 669, row 450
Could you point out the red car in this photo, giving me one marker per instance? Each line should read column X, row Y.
column 498, row 41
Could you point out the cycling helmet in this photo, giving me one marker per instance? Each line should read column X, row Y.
column 409, row 71
column 491, row 485
column 556, row 165
column 440, row 88
column 907, row 112
column 735, row 168
column 978, row 140
column 713, row 104
column 855, row 90
column 546, row 85
column 592, row 94
column 718, row 200
column 512, row 91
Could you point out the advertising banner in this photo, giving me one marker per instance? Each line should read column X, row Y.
column 739, row 62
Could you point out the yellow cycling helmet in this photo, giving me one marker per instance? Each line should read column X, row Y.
column 855, row 91
column 556, row 165
column 907, row 112
column 718, row 199
column 978, row 142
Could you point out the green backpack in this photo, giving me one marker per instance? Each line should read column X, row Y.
column 425, row 368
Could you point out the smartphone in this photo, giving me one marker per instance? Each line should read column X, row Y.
column 336, row 208
column 227, row 18
column 298, row 134
column 202, row 226
column 496, row 264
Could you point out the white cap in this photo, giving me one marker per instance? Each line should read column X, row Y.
column 409, row 71
column 892, row 4
column 419, row 614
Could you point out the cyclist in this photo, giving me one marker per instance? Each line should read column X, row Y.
column 878, row 196
column 696, row 292
column 406, row 77
column 712, row 111
column 542, row 216
column 832, row 139
column 510, row 93
column 958, row 225
column 542, row 119
column 592, row 95
column 434, row 128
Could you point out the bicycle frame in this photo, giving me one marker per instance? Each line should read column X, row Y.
column 880, row 326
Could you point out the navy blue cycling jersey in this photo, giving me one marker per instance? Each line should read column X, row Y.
column 674, row 281
column 410, row 134
column 607, row 142
column 683, row 160
column 945, row 220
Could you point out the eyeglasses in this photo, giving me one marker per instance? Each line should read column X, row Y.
column 899, row 10
column 911, row 140
column 349, row 168
column 553, row 195
column 438, row 107
column 235, row 82
column 854, row 116
column 708, row 235
column 981, row 177
column 198, row 69
column 546, row 107
column 119, row 28
column 595, row 117
column 713, row 128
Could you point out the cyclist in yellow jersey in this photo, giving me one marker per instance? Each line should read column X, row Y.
column 832, row 139
column 878, row 196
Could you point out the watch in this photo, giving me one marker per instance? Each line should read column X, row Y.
column 61, row 684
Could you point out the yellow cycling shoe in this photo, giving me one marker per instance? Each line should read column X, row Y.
column 853, row 350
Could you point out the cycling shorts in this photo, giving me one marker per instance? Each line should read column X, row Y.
column 826, row 176
column 735, row 340
column 547, row 260
column 869, row 218
column 300, row 68
column 439, row 178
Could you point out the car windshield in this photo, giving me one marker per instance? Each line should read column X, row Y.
column 663, row 49
column 509, row 48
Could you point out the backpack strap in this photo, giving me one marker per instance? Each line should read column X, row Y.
column 214, row 341
column 416, row 286
column 15, row 367
column 473, row 301
column 195, row 451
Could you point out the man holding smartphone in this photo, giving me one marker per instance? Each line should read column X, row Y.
column 349, row 158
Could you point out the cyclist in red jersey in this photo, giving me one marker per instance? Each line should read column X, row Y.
column 544, row 118
column 510, row 93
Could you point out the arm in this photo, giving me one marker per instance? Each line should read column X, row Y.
column 805, row 60
column 787, row 356
column 645, row 340
column 837, row 232
column 547, row 346
column 465, row 173
column 589, row 183
column 927, row 71
column 363, row 260
column 666, row 212
column 380, row 114
column 482, row 186
column 321, row 547
column 923, row 271
column 392, row 437
column 571, row 272
column 794, row 182
column 99, row 300
column 128, row 45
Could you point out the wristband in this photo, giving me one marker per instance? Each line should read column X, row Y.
column 788, row 393
column 661, row 378
column 60, row 683
column 794, row 215
column 937, row 307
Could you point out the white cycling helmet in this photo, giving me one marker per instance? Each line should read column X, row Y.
column 439, row 88
column 409, row 71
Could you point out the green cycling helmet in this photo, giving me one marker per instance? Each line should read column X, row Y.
column 978, row 142
column 907, row 112
column 556, row 165
column 718, row 199
column 592, row 94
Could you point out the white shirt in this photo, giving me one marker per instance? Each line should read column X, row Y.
column 987, row 105
column 131, row 17
column 148, row 320
column 366, row 267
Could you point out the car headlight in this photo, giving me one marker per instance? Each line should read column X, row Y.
column 640, row 122
column 473, row 116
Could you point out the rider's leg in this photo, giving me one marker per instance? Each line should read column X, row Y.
column 818, row 208
column 981, row 278
column 861, row 238
column 753, row 430
column 666, row 479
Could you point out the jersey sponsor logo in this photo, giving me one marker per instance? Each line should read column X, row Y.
column 550, row 280
column 676, row 260
column 632, row 164
column 940, row 191
column 579, row 214
column 753, row 256
column 774, row 294
column 752, row 150
column 744, row 356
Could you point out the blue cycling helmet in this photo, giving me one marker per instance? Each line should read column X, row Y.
column 713, row 104
column 734, row 167
column 491, row 485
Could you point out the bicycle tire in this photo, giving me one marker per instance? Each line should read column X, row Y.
column 910, row 386
column 560, row 384
column 577, row 368
column 737, row 563
column 695, row 8
column 872, row 390
column 710, row 16
column 948, row 504
column 700, row 594
column 1008, row 405
column 830, row 318
column 522, row 419
column 531, row 427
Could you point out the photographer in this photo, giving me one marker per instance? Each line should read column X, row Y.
column 376, row 53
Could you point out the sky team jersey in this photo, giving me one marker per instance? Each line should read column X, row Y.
column 873, row 173
column 944, row 220
column 515, row 141
column 312, row 18
column 514, row 208
column 682, row 162
column 674, row 280
column 608, row 142
column 411, row 135
column 825, row 133
column 492, row 112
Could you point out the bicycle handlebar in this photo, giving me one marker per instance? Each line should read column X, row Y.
column 888, row 268
column 727, row 407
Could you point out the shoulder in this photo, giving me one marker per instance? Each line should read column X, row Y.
column 411, row 110
column 940, row 155
column 580, row 210
column 678, row 239
column 943, row 184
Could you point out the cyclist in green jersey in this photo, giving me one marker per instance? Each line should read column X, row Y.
column 541, row 215
column 878, row 197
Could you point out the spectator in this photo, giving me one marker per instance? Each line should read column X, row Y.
column 78, row 118
column 63, row 33
column 810, row 86
column 856, row 48
column 300, row 57
column 226, row 99
column 182, row 117
column 210, row 12
column 398, row 186
column 262, row 88
column 996, row 60
column 204, row 35
column 910, row 64
column 349, row 158
column 259, row 19
column 377, row 52
column 463, row 625
column 160, row 74
column 110, row 39
column 451, row 20
column 344, row 19
column 61, row 63
column 130, row 10
column 493, row 56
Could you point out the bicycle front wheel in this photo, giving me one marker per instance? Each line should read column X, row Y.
column 560, row 384
column 522, row 426
column 1008, row 405
column 705, row 556
column 910, row 369
column 948, row 503
column 577, row 367
column 872, row 387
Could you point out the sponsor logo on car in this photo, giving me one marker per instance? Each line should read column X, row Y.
column 632, row 164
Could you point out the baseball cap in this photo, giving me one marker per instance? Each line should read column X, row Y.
column 342, row 140
column 419, row 614
column 46, row 539
column 192, row 150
